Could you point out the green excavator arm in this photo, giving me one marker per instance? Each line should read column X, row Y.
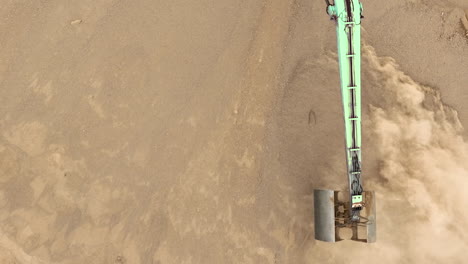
column 359, row 207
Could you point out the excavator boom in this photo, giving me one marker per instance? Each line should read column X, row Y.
column 331, row 211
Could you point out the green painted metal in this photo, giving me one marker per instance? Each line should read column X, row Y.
column 331, row 214
column 357, row 199
column 347, row 15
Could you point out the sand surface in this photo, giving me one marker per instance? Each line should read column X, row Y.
column 185, row 132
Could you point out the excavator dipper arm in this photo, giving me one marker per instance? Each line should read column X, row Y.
column 347, row 14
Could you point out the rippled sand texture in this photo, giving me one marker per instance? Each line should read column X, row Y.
column 194, row 132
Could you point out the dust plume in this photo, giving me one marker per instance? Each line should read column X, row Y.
column 421, row 176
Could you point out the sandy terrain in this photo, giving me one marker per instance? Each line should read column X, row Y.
column 194, row 132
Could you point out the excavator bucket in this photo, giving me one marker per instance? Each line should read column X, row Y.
column 324, row 215
column 331, row 213
column 371, row 213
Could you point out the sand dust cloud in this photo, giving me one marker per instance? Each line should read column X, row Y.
column 421, row 175
column 195, row 131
